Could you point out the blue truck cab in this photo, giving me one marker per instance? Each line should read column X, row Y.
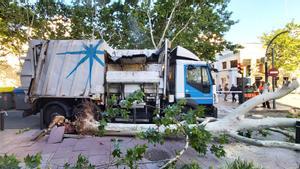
column 191, row 79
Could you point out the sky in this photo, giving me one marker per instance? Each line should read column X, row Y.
column 260, row 16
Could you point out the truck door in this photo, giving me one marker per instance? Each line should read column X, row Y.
column 198, row 84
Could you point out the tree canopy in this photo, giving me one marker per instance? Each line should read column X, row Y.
column 198, row 25
column 286, row 47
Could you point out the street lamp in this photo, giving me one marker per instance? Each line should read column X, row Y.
column 266, row 63
column 266, row 55
column 266, row 59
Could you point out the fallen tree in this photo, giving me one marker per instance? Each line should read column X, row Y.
column 199, row 134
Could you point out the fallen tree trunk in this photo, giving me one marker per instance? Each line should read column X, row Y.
column 265, row 143
column 230, row 124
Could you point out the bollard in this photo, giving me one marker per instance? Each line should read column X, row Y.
column 297, row 138
column 2, row 114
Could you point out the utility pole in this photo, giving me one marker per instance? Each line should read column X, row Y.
column 273, row 78
column 266, row 54
column 243, row 88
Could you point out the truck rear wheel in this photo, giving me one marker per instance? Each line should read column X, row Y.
column 53, row 109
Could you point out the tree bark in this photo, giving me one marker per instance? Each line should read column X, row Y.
column 265, row 143
column 230, row 124
column 168, row 24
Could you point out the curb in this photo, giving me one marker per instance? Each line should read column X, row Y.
column 292, row 107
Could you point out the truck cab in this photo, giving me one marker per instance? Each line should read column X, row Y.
column 192, row 81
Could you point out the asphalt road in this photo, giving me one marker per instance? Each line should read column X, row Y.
column 15, row 120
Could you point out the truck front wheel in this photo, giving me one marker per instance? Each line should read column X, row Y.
column 211, row 111
column 53, row 109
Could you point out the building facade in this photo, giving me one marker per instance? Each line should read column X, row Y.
column 251, row 59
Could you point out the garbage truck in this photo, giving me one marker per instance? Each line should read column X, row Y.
column 59, row 74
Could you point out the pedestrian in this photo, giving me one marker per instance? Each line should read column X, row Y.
column 226, row 89
column 232, row 90
column 261, row 90
column 240, row 94
column 219, row 88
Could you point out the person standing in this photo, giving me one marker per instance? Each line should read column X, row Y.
column 226, row 89
column 219, row 89
column 261, row 90
column 232, row 90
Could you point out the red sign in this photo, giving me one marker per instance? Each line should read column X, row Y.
column 273, row 72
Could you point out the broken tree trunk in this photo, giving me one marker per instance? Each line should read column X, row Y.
column 232, row 123
column 229, row 125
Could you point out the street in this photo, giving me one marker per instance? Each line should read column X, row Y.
column 98, row 149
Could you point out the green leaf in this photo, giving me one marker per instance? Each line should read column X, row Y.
column 199, row 138
column 9, row 161
column 33, row 162
column 218, row 150
column 241, row 164
column 153, row 136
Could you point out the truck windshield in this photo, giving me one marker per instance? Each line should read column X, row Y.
column 197, row 76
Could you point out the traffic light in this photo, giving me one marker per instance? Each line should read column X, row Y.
column 248, row 70
column 240, row 68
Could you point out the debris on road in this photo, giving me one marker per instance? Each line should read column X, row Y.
column 56, row 135
column 85, row 119
column 20, row 131
column 85, row 123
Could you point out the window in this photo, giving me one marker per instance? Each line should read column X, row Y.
column 233, row 63
column 260, row 68
column 246, row 62
column 197, row 77
column 224, row 64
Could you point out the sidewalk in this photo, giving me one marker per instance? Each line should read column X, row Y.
column 98, row 151
column 292, row 100
column 282, row 110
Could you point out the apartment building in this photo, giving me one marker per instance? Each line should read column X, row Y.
column 251, row 57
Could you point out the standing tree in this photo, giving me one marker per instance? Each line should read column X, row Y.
column 196, row 25
column 286, row 47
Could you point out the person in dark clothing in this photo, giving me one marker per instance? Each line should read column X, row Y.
column 233, row 89
column 219, row 89
column 226, row 89
column 240, row 95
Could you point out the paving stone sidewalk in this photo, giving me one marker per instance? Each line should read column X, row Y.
column 98, row 151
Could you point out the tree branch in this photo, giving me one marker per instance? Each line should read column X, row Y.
column 267, row 143
column 151, row 29
column 266, row 123
column 182, row 29
column 187, row 142
column 241, row 110
column 284, row 132
column 168, row 24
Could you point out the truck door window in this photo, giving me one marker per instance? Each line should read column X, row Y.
column 194, row 75
column 205, row 82
column 197, row 76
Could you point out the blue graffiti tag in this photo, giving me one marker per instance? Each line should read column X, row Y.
column 90, row 53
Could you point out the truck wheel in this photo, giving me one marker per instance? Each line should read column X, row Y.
column 214, row 112
column 53, row 109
